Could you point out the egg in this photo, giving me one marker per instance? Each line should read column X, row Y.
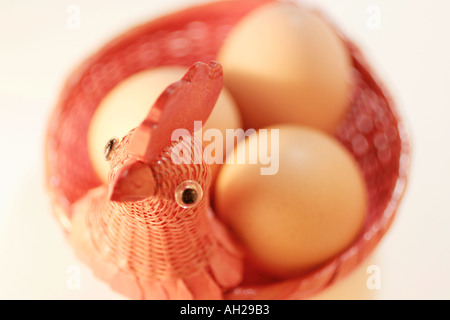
column 127, row 104
column 303, row 214
column 284, row 64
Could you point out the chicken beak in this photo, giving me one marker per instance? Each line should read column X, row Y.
column 133, row 182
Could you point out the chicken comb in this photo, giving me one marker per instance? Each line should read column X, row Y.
column 188, row 100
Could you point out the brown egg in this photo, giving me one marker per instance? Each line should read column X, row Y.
column 127, row 104
column 312, row 208
column 284, row 64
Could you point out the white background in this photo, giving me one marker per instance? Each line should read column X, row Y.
column 410, row 51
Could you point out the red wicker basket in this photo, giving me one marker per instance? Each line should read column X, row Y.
column 372, row 130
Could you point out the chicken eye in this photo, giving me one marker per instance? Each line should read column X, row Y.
column 110, row 147
column 188, row 194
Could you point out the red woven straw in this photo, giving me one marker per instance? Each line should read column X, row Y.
column 371, row 131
